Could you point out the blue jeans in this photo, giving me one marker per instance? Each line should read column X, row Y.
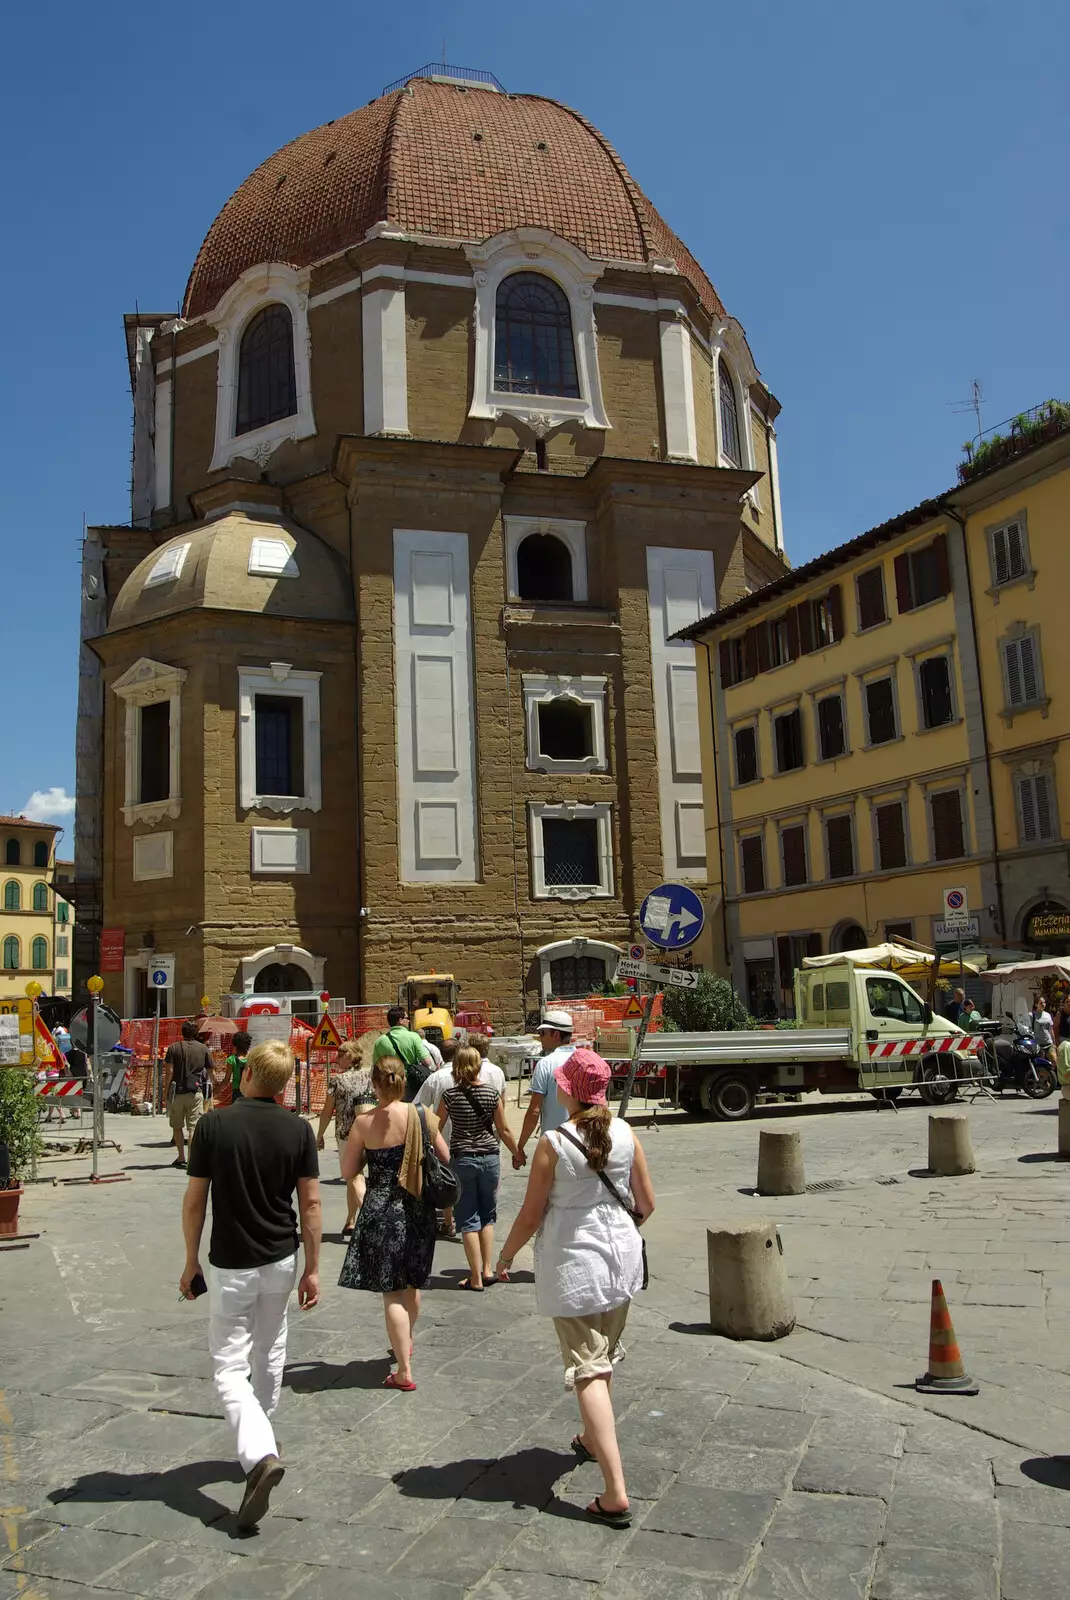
column 478, row 1177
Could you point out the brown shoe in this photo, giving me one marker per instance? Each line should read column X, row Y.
column 258, row 1486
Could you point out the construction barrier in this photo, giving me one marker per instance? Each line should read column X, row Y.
column 59, row 1087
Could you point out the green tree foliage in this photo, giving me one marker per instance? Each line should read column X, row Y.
column 18, row 1118
column 712, row 1006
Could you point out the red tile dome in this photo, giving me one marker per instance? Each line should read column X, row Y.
column 435, row 159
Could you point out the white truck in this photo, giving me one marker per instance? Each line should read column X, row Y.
column 859, row 1029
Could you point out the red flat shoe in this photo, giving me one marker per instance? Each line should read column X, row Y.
column 394, row 1382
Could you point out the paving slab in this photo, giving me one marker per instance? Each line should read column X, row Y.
column 915, row 1573
column 788, row 1568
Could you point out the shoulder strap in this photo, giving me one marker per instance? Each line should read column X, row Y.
column 423, row 1126
column 610, row 1185
column 465, row 1089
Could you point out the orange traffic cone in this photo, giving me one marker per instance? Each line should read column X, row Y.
column 946, row 1374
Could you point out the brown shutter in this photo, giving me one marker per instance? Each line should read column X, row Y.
column 764, row 653
column 840, row 842
column 752, row 855
column 750, row 653
column 870, row 589
column 793, row 850
column 792, row 625
column 783, row 958
column 902, row 583
column 813, row 944
column 891, row 837
column 948, row 838
column 805, row 624
column 943, row 566
column 836, row 612
column 724, row 652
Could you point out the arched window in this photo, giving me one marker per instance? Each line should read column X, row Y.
column 282, row 978
column 533, row 348
column 849, row 936
column 11, row 953
column 730, row 439
column 40, row 853
column 40, row 897
column 544, row 568
column 12, row 853
column 39, row 954
column 267, row 387
column 12, row 896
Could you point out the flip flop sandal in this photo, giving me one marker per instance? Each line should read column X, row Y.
column 581, row 1452
column 612, row 1519
column 394, row 1382
column 466, row 1283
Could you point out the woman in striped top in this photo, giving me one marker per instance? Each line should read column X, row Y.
column 473, row 1105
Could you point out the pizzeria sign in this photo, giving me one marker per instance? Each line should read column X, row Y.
column 1049, row 925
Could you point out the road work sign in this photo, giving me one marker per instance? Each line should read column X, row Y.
column 326, row 1036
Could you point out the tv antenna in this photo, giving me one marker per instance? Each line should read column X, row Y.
column 972, row 404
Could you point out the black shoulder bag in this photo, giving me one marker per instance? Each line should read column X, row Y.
column 615, row 1192
column 416, row 1072
column 488, row 1127
column 440, row 1188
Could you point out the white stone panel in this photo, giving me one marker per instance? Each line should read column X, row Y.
column 681, row 590
column 154, row 856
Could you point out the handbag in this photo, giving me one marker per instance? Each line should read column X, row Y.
column 615, row 1192
column 440, row 1187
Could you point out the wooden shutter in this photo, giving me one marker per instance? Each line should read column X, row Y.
column 1023, row 679
column 750, row 653
column 805, row 623
column 752, row 856
column 869, row 587
column 835, row 605
column 903, row 598
column 783, row 961
column 891, row 837
column 764, row 651
column 813, row 944
column 840, row 840
column 793, row 854
column 1035, row 808
column 724, row 654
column 792, row 627
column 948, row 839
column 943, row 566
column 746, row 743
column 1015, row 550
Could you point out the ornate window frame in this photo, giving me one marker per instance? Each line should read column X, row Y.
column 144, row 684
column 537, row 250
column 572, row 534
column 541, row 689
column 602, row 814
column 269, row 283
column 287, row 954
column 278, row 678
column 729, row 345
column 578, row 947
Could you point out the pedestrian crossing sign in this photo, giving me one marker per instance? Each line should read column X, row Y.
column 326, row 1036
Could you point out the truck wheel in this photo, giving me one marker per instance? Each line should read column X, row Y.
column 936, row 1087
column 691, row 1099
column 729, row 1098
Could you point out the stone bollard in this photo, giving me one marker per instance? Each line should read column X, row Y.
column 950, row 1145
column 749, row 1294
column 780, row 1162
column 1064, row 1126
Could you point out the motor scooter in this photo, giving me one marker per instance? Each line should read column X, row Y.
column 1017, row 1061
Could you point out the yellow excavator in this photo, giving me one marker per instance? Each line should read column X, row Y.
column 431, row 1002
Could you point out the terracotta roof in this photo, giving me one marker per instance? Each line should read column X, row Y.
column 28, row 822
column 413, row 159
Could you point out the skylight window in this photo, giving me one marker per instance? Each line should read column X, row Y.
column 272, row 558
column 167, row 566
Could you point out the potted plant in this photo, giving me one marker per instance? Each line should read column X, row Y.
column 19, row 1141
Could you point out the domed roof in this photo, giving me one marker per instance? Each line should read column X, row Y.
column 446, row 161
column 237, row 562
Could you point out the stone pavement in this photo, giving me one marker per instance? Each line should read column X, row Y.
column 757, row 1472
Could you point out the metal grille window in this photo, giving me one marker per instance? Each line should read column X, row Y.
column 934, row 677
column 793, row 855
column 1021, row 666
column 746, row 742
column 570, row 853
column 1009, row 560
column 831, row 731
column 154, row 775
column 840, row 846
column 279, row 745
column 880, row 710
column 787, row 731
column 752, row 857
column 869, row 589
column 533, row 348
column 891, row 836
column 267, row 386
column 730, row 441
column 1036, row 808
column 575, row 977
column 949, row 837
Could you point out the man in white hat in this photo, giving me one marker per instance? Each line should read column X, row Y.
column 555, row 1034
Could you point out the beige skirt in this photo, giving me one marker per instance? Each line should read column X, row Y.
column 591, row 1346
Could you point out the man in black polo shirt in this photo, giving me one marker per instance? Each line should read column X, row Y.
column 252, row 1156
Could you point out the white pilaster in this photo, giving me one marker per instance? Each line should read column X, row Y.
column 386, row 394
column 678, row 390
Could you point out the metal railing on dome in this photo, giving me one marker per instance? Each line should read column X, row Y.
column 439, row 69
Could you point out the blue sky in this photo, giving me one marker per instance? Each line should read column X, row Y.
column 876, row 190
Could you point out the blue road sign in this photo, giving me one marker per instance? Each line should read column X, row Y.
column 159, row 977
column 671, row 916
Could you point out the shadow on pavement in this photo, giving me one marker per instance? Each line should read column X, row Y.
column 1041, row 1155
column 524, row 1479
column 691, row 1327
column 182, row 1489
column 312, row 1377
column 1051, row 1470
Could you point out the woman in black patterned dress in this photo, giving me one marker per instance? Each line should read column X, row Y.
column 393, row 1243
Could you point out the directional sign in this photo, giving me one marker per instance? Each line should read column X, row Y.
column 671, row 916
column 326, row 1036
column 956, row 909
column 667, row 977
column 633, row 1011
column 162, row 972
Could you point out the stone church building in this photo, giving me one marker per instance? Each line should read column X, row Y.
column 451, row 436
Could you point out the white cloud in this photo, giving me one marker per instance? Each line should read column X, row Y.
column 44, row 805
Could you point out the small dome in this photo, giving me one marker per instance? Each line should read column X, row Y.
column 237, row 562
column 448, row 162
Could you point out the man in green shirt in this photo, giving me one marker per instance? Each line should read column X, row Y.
column 400, row 1041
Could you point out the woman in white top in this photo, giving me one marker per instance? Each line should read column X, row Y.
column 588, row 1255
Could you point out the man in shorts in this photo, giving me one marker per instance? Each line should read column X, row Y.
column 191, row 1076
column 555, row 1036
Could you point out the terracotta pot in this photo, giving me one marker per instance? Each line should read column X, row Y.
column 9, row 1211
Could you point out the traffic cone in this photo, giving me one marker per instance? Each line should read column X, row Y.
column 946, row 1374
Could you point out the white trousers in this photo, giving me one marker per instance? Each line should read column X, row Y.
column 247, row 1340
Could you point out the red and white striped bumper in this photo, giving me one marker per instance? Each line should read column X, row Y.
column 966, row 1044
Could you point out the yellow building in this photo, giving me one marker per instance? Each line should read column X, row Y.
column 63, row 936
column 885, row 723
column 27, row 917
